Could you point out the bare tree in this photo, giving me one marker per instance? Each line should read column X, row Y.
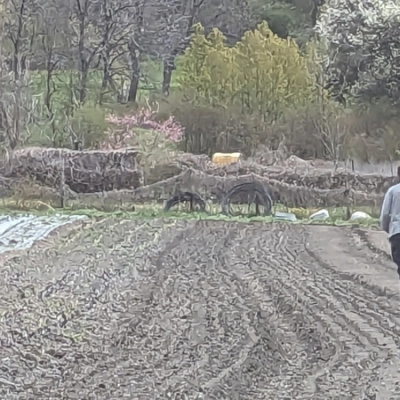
column 83, row 15
column 136, row 48
column 20, row 27
column 331, row 132
column 20, row 20
column 176, row 22
column 232, row 17
column 50, row 57
column 116, row 24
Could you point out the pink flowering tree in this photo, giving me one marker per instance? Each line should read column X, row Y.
column 152, row 139
column 127, row 130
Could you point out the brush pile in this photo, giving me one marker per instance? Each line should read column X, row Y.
column 83, row 171
column 114, row 177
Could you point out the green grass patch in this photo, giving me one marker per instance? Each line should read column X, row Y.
column 151, row 211
column 66, row 84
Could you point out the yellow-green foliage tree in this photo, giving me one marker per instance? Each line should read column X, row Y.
column 262, row 73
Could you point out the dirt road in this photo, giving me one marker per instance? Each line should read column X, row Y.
column 201, row 310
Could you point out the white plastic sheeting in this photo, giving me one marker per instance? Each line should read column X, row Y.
column 285, row 216
column 21, row 232
column 359, row 215
column 320, row 215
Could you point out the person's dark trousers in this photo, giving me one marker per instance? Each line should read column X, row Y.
column 395, row 246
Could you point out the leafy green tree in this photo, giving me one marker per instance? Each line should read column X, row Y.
column 261, row 74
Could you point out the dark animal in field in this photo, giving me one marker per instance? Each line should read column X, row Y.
column 186, row 197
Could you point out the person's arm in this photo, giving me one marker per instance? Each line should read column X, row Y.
column 386, row 211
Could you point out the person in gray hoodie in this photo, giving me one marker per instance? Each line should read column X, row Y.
column 390, row 221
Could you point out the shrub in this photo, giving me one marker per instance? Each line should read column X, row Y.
column 152, row 139
column 127, row 130
column 209, row 130
column 262, row 74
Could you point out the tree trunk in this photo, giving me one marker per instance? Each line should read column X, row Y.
column 104, row 83
column 135, row 75
column 169, row 67
column 133, row 88
column 83, row 88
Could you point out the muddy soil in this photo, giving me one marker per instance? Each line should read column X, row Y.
column 200, row 310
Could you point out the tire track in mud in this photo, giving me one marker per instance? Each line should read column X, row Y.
column 338, row 315
column 374, row 319
column 223, row 310
column 264, row 338
column 218, row 296
column 134, row 270
column 72, row 286
column 363, row 236
column 284, row 277
column 381, row 333
column 193, row 262
column 295, row 306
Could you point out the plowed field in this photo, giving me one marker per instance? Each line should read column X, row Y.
column 200, row 310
